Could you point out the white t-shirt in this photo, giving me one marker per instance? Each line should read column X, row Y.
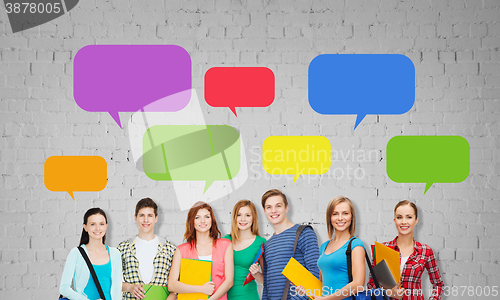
column 208, row 257
column 146, row 253
column 404, row 259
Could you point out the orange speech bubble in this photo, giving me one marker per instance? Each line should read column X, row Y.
column 75, row 174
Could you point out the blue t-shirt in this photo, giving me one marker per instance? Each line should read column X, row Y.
column 277, row 252
column 333, row 267
column 103, row 273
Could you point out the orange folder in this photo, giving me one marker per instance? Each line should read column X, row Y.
column 392, row 258
column 299, row 275
column 195, row 272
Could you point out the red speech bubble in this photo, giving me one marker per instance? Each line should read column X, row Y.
column 239, row 87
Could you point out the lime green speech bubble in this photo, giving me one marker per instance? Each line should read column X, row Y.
column 191, row 153
column 429, row 159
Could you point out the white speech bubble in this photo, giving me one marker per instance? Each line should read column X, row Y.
column 187, row 192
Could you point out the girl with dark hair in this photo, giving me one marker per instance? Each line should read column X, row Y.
column 203, row 242
column 105, row 260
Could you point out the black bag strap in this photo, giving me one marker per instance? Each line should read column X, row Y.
column 92, row 271
column 349, row 268
column 287, row 284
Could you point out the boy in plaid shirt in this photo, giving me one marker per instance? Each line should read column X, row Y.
column 145, row 258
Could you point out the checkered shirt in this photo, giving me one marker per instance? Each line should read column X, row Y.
column 130, row 264
column 421, row 258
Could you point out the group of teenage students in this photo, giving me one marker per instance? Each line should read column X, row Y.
column 147, row 259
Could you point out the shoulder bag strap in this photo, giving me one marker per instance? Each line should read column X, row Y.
column 349, row 263
column 92, row 271
column 287, row 284
column 372, row 272
column 349, row 268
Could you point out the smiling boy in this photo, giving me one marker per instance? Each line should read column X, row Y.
column 279, row 248
column 146, row 259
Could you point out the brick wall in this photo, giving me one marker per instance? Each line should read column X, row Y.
column 454, row 45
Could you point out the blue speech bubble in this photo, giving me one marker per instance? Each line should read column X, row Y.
column 361, row 84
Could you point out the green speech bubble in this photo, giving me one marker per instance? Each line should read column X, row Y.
column 191, row 152
column 429, row 159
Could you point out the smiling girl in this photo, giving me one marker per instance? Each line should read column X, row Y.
column 415, row 257
column 106, row 261
column 341, row 225
column 203, row 242
column 246, row 243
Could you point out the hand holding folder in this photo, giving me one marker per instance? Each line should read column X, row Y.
column 249, row 277
column 299, row 275
column 195, row 272
column 391, row 257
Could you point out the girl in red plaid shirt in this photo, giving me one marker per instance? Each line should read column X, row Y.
column 415, row 257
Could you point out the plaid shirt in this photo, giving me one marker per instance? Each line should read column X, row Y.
column 422, row 257
column 130, row 264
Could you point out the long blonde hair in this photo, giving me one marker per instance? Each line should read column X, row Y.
column 255, row 219
column 329, row 211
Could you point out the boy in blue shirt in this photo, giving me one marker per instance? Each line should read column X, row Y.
column 279, row 248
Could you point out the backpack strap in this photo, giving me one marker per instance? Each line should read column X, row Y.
column 299, row 231
column 348, row 253
column 92, row 271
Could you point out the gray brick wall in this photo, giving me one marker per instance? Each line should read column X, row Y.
column 453, row 44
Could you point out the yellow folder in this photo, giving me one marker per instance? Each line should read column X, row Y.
column 195, row 272
column 391, row 257
column 299, row 275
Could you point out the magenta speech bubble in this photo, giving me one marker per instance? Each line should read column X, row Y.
column 129, row 78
